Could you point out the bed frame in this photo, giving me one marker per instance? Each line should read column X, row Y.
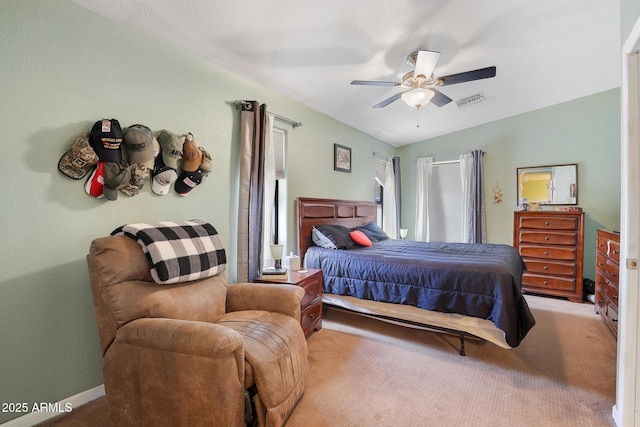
column 314, row 211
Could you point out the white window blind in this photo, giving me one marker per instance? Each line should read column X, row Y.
column 380, row 169
column 277, row 140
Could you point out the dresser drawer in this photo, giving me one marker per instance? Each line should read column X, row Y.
column 601, row 301
column 601, row 261
column 611, row 270
column 550, row 267
column 609, row 248
column 561, row 253
column 612, row 317
column 547, row 282
column 312, row 290
column 611, row 289
column 310, row 316
column 549, row 237
column 549, row 223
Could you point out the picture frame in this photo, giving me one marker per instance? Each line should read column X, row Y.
column 341, row 158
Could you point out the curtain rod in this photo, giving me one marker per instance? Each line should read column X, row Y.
column 293, row 123
column 380, row 155
column 436, row 161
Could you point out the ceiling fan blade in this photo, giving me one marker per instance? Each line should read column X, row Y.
column 388, row 100
column 481, row 73
column 426, row 63
column 440, row 99
column 374, row 83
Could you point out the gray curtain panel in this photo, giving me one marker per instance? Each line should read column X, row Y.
column 398, row 182
column 480, row 222
column 250, row 211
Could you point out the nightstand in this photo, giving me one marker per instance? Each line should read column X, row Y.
column 311, row 304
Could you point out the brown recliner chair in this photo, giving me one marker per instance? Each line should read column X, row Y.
column 185, row 354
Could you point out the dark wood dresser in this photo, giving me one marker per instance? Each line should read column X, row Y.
column 607, row 273
column 311, row 304
column 551, row 244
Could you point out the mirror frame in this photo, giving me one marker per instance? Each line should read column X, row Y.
column 522, row 170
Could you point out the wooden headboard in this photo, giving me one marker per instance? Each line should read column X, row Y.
column 310, row 211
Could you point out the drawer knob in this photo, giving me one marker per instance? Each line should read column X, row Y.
column 545, row 282
column 312, row 315
column 546, row 253
column 546, row 223
column 615, row 297
column 545, row 267
column 546, row 237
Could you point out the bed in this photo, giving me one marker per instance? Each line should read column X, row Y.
column 469, row 290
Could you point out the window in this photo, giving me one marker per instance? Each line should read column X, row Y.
column 278, row 137
column 379, row 184
column 445, row 211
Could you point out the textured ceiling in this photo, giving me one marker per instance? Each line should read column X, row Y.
column 546, row 52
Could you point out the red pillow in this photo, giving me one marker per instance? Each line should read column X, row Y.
column 360, row 238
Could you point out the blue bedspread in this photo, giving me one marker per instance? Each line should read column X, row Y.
column 479, row 280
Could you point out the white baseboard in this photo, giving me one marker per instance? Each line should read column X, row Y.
column 71, row 403
column 614, row 414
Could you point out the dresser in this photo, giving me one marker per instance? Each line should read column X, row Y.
column 607, row 273
column 311, row 305
column 551, row 244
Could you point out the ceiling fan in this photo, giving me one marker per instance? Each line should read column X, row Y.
column 421, row 83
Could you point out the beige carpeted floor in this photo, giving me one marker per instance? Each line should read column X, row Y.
column 369, row 373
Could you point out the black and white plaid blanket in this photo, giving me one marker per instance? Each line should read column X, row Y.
column 179, row 251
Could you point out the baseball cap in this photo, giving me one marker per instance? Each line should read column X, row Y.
column 94, row 186
column 191, row 175
column 106, row 137
column 163, row 177
column 139, row 175
column 138, row 142
column 207, row 163
column 171, row 147
column 79, row 158
column 116, row 176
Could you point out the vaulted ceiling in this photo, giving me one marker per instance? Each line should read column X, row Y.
column 546, row 52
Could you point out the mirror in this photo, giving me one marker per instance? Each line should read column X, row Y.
column 549, row 185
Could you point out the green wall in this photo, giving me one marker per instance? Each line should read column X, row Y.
column 64, row 67
column 585, row 131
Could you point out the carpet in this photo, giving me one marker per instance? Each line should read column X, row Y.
column 366, row 372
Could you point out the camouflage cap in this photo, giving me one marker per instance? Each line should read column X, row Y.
column 116, row 176
column 139, row 175
column 207, row 163
column 79, row 158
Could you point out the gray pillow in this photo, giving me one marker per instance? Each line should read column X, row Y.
column 332, row 236
column 373, row 232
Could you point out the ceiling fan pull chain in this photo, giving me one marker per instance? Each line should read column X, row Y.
column 417, row 117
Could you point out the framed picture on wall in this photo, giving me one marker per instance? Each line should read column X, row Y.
column 341, row 158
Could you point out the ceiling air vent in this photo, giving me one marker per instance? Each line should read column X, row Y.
column 470, row 100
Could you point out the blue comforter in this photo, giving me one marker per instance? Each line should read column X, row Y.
column 479, row 280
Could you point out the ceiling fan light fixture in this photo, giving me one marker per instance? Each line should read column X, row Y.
column 417, row 97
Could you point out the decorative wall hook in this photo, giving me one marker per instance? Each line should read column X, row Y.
column 497, row 194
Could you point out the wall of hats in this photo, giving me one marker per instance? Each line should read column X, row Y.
column 116, row 160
